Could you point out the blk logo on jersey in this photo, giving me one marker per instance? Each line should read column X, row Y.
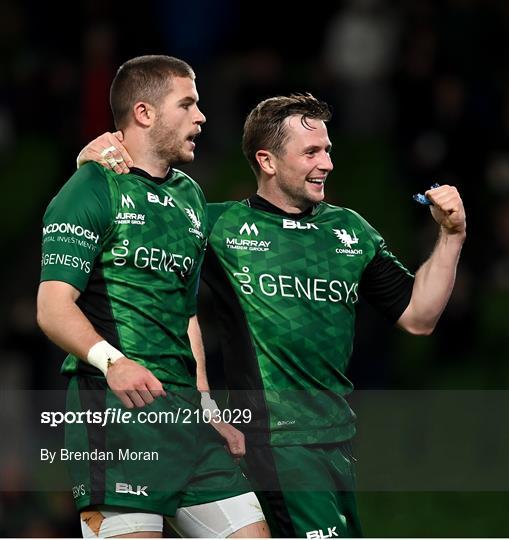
column 320, row 534
column 291, row 224
column 166, row 201
column 128, row 489
column 348, row 240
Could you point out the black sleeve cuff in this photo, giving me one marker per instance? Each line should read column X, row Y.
column 387, row 286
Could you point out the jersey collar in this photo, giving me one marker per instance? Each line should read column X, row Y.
column 156, row 179
column 259, row 203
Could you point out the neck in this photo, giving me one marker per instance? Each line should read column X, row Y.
column 144, row 157
column 281, row 201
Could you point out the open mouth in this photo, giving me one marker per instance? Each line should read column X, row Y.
column 191, row 139
column 193, row 136
column 316, row 181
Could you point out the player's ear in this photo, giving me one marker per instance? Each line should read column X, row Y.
column 266, row 162
column 143, row 113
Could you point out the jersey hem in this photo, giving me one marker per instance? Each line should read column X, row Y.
column 303, row 438
column 154, row 508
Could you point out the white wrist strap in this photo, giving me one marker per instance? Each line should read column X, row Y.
column 208, row 404
column 102, row 355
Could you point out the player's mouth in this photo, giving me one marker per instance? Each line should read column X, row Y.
column 191, row 138
column 317, row 181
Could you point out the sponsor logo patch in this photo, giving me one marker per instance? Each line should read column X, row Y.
column 348, row 241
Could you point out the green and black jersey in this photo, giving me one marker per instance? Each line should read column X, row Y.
column 286, row 287
column 133, row 245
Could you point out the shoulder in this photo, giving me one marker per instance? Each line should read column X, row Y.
column 353, row 219
column 345, row 213
column 189, row 188
column 88, row 184
column 216, row 210
column 86, row 197
column 89, row 176
column 187, row 180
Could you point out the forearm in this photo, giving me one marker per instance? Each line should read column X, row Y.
column 433, row 285
column 234, row 438
column 195, row 338
column 66, row 325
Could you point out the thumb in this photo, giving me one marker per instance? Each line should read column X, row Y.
column 119, row 135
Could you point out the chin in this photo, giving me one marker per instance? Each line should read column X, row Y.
column 316, row 198
column 182, row 159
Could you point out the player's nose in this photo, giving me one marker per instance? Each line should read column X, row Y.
column 200, row 117
column 326, row 162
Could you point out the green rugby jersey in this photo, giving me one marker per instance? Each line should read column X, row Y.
column 285, row 289
column 133, row 245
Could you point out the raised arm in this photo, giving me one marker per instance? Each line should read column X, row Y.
column 434, row 280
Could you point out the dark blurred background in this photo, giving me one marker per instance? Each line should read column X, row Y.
column 420, row 91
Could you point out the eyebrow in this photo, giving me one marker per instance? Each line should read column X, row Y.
column 314, row 147
column 187, row 99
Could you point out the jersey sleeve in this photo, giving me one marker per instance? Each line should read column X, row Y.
column 74, row 226
column 385, row 283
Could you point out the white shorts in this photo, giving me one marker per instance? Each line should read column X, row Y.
column 218, row 519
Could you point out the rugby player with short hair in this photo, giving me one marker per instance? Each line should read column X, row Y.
column 120, row 266
column 287, row 270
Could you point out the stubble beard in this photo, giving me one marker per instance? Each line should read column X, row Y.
column 297, row 196
column 167, row 148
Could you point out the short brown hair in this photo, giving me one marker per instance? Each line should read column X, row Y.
column 144, row 78
column 264, row 127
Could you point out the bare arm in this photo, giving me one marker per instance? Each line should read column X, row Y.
column 65, row 324
column 235, row 440
column 195, row 337
column 61, row 320
column 434, row 280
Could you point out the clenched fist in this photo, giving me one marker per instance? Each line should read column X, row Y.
column 447, row 209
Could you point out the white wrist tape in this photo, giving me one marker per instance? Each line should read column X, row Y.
column 208, row 404
column 102, row 355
